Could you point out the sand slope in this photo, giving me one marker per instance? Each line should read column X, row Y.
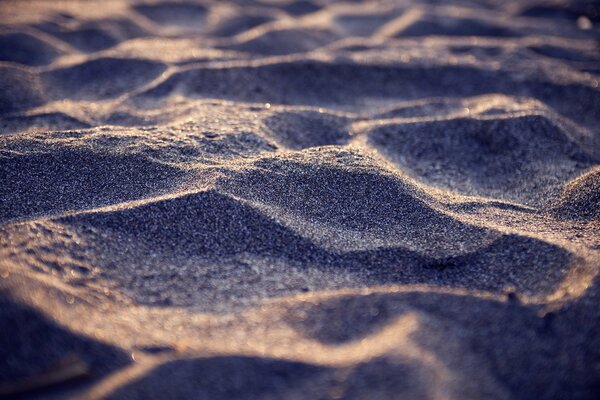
column 300, row 199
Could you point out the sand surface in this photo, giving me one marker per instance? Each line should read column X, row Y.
column 300, row 200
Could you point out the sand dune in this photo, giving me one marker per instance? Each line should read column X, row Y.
column 300, row 199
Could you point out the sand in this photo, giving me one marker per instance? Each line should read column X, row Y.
column 300, row 199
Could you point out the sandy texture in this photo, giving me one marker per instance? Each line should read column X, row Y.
column 300, row 199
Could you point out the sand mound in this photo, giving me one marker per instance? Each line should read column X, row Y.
column 580, row 198
column 209, row 223
column 525, row 159
column 216, row 240
column 299, row 130
column 314, row 83
column 351, row 84
column 528, row 339
column 340, row 189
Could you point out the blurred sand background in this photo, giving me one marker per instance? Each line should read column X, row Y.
column 300, row 199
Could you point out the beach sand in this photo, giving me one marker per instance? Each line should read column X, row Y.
column 300, row 199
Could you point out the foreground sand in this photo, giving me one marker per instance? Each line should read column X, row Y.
column 300, row 201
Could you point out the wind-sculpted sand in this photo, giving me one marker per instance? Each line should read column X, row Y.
column 300, row 200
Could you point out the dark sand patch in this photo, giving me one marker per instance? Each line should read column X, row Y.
column 40, row 122
column 71, row 179
column 26, row 49
column 187, row 14
column 525, row 159
column 299, row 130
column 96, row 79
column 34, row 343
column 19, row 90
column 285, row 41
column 92, row 36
